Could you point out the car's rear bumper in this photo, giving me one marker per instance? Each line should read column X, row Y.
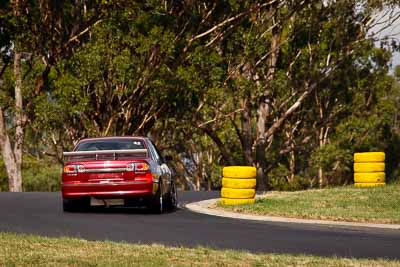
column 129, row 189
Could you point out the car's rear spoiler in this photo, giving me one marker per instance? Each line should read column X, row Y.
column 96, row 153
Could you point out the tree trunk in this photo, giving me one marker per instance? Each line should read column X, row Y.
column 261, row 165
column 8, row 157
column 199, row 170
column 292, row 163
column 321, row 179
column 203, row 167
column 210, row 160
column 247, row 136
column 19, row 120
column 261, row 160
column 13, row 157
column 197, row 182
column 323, row 140
column 264, row 110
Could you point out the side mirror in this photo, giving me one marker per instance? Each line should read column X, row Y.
column 168, row 158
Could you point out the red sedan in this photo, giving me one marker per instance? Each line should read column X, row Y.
column 109, row 171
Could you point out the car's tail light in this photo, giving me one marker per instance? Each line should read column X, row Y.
column 130, row 167
column 73, row 168
column 137, row 167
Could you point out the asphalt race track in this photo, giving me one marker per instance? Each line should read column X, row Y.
column 41, row 213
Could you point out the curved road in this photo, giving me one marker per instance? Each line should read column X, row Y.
column 41, row 213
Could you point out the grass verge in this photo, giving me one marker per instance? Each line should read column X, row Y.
column 374, row 205
column 28, row 250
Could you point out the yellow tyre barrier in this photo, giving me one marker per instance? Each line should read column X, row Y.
column 230, row 201
column 369, row 177
column 368, row 184
column 369, row 157
column 238, row 183
column 239, row 172
column 369, row 167
column 237, row 193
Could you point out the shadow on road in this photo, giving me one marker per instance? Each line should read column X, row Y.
column 121, row 210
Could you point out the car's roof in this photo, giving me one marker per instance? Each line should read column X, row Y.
column 111, row 138
column 84, row 140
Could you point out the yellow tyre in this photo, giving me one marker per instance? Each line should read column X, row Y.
column 230, row 201
column 369, row 157
column 369, row 167
column 369, row 177
column 239, row 172
column 238, row 183
column 237, row 193
column 368, row 184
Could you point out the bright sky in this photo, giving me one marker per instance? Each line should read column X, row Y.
column 389, row 17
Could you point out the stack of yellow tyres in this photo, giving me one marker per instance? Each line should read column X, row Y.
column 238, row 185
column 369, row 169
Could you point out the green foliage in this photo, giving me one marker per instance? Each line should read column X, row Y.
column 278, row 178
column 193, row 74
column 335, row 162
column 39, row 174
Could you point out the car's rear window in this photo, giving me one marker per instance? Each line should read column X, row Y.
column 110, row 144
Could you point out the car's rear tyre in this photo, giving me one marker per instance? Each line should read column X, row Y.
column 157, row 204
column 74, row 205
column 68, row 206
column 172, row 201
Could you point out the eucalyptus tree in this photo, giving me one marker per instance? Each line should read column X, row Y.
column 119, row 83
column 262, row 61
column 268, row 82
column 42, row 32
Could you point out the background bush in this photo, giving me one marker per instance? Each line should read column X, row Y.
column 39, row 174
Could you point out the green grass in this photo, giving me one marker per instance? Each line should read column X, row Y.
column 28, row 250
column 375, row 205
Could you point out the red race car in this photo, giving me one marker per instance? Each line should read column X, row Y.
column 128, row 171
